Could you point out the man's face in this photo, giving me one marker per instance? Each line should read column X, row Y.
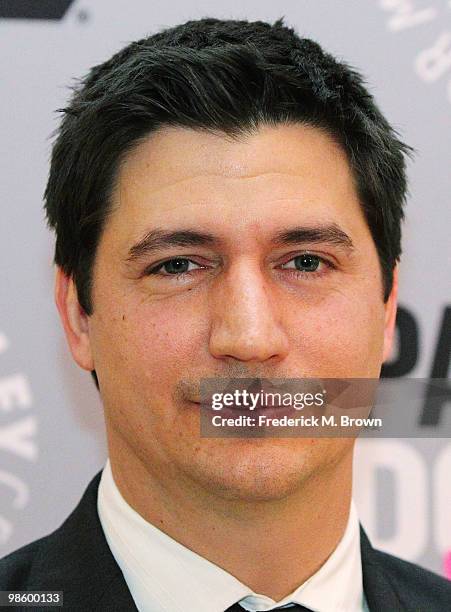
column 240, row 304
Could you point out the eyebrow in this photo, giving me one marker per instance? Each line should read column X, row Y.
column 158, row 239
column 328, row 234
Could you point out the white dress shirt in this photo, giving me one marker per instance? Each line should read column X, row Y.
column 165, row 576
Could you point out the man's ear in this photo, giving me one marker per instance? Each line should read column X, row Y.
column 390, row 317
column 74, row 319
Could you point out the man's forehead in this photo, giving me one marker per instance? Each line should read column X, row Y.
column 173, row 155
column 277, row 178
column 178, row 173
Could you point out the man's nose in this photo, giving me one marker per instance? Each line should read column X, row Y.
column 247, row 316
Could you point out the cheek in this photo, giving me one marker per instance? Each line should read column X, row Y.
column 342, row 337
column 153, row 345
column 169, row 339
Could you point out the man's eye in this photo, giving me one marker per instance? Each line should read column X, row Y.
column 177, row 265
column 306, row 262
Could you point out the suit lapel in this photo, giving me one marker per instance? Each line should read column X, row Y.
column 379, row 592
column 77, row 560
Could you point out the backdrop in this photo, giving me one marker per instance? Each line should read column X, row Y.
column 51, row 429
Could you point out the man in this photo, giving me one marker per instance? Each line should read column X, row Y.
column 227, row 201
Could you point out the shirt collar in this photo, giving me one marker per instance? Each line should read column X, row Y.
column 163, row 574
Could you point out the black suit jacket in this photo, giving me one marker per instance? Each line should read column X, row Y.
column 76, row 559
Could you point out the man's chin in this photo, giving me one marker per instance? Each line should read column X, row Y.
column 252, row 469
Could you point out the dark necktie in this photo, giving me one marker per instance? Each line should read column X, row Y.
column 295, row 608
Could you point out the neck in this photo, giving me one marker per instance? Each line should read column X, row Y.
column 271, row 546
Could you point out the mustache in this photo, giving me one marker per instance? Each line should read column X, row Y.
column 190, row 388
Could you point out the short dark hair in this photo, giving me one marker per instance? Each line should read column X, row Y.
column 222, row 76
